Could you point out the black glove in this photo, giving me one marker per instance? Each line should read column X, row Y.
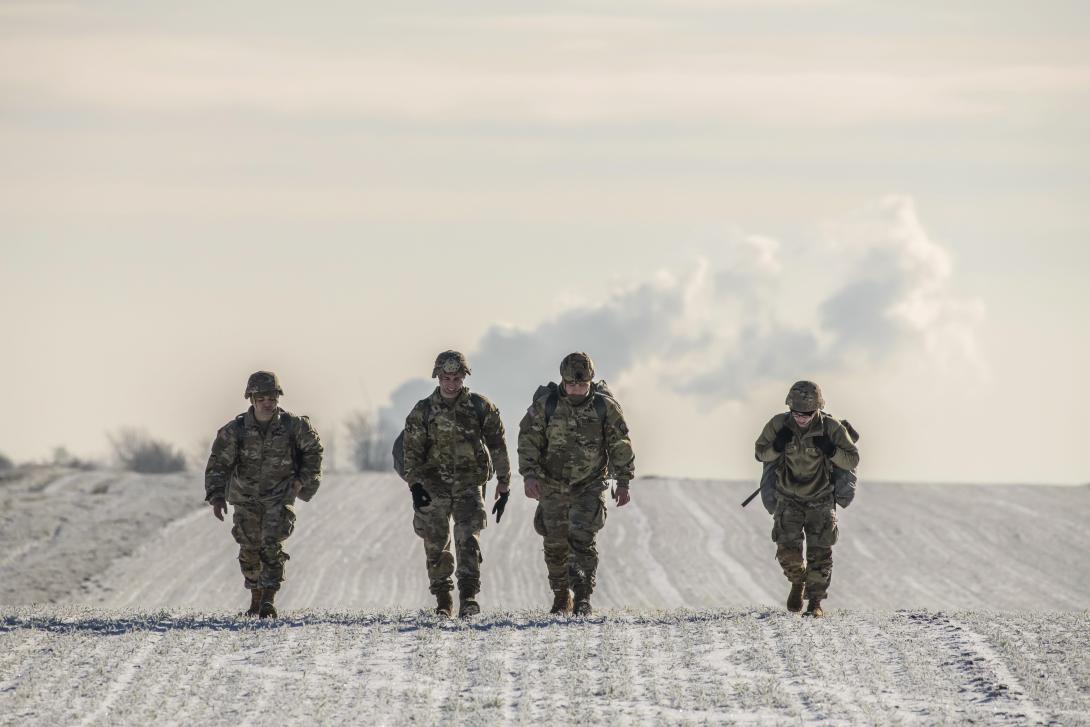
column 782, row 438
column 501, row 503
column 825, row 445
column 421, row 498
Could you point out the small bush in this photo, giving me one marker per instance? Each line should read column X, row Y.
column 138, row 452
column 63, row 458
column 5, row 463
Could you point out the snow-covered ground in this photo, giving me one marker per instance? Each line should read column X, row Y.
column 950, row 604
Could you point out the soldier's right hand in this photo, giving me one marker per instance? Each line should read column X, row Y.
column 219, row 508
column 782, row 438
column 421, row 498
column 532, row 487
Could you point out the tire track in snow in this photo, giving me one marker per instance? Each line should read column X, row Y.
column 984, row 680
column 650, row 571
column 679, row 543
column 739, row 576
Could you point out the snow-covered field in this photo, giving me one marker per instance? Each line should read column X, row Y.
column 949, row 604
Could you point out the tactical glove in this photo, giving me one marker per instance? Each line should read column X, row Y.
column 825, row 445
column 421, row 498
column 782, row 438
column 219, row 508
column 501, row 503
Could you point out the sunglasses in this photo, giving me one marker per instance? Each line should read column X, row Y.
column 804, row 414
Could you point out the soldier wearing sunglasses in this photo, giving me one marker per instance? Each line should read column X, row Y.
column 806, row 444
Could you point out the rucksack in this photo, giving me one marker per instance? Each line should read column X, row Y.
column 399, row 444
column 844, row 481
column 551, row 390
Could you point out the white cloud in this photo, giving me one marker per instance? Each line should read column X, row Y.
column 901, row 287
column 718, row 333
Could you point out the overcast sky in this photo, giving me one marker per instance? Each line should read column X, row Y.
column 713, row 199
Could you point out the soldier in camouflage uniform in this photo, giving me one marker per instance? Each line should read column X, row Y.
column 806, row 443
column 453, row 441
column 261, row 462
column 572, row 438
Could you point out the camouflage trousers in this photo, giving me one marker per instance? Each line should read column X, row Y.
column 432, row 524
column 790, row 524
column 260, row 528
column 569, row 520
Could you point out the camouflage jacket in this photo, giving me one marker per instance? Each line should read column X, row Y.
column 806, row 474
column 246, row 465
column 575, row 446
column 446, row 443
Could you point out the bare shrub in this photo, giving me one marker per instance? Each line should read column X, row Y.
column 138, row 452
column 364, row 443
column 199, row 452
column 63, row 458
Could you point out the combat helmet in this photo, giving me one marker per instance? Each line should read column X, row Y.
column 262, row 382
column 577, row 367
column 450, row 362
column 805, row 396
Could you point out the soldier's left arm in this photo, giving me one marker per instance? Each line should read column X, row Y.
column 846, row 456
column 310, row 450
column 622, row 460
column 495, row 438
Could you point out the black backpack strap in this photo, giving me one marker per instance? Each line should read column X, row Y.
column 240, row 420
column 600, row 407
column 293, row 438
column 554, row 399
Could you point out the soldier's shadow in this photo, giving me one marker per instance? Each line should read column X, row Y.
column 112, row 624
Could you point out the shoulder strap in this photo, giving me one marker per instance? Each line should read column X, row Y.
column 480, row 408
column 240, row 420
column 550, row 405
column 554, row 399
column 293, row 432
column 600, row 406
column 426, row 406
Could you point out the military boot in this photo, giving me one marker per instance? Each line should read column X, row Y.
column 562, row 603
column 467, row 604
column 268, row 610
column 815, row 610
column 255, row 602
column 794, row 598
column 444, row 604
column 582, row 602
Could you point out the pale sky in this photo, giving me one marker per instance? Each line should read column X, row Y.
column 714, row 199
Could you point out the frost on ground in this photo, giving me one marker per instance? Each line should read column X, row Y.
column 758, row 666
column 680, row 544
column 949, row 604
column 60, row 528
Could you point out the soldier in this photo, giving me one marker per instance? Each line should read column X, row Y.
column 572, row 438
column 806, row 443
column 261, row 462
column 453, row 441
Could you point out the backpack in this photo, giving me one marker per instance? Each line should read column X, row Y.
column 844, row 481
column 551, row 390
column 399, row 443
